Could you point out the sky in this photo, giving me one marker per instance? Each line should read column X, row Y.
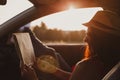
column 66, row 20
column 71, row 19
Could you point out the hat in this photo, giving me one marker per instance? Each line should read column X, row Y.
column 106, row 21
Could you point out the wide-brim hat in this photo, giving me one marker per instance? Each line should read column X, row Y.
column 106, row 21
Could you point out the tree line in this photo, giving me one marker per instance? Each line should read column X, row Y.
column 55, row 35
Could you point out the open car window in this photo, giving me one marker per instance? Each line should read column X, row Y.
column 63, row 27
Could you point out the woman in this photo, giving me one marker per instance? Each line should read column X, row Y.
column 102, row 51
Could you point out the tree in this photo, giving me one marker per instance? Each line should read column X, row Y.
column 43, row 26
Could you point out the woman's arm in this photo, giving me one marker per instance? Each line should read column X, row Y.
column 46, row 67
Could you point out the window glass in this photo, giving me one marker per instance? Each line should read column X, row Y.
column 12, row 8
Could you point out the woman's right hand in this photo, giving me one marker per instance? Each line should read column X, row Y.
column 45, row 66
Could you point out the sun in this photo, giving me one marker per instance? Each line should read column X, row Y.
column 71, row 7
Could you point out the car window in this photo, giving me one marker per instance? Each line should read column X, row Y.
column 12, row 8
column 63, row 27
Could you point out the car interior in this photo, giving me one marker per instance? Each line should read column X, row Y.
column 63, row 56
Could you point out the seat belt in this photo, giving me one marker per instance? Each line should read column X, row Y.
column 24, row 48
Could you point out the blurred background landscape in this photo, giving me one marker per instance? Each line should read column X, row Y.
column 58, row 36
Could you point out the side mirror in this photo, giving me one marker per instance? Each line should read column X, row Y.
column 3, row 2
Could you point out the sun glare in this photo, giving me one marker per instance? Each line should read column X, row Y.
column 71, row 19
column 71, row 7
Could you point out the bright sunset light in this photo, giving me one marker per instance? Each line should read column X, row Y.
column 66, row 20
column 71, row 7
column 71, row 19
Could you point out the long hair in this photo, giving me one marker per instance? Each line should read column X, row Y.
column 87, row 53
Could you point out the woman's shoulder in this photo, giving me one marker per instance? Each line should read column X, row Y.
column 88, row 69
column 91, row 62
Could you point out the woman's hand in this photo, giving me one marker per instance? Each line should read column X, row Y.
column 45, row 66
column 28, row 73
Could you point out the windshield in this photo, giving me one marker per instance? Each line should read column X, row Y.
column 12, row 8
